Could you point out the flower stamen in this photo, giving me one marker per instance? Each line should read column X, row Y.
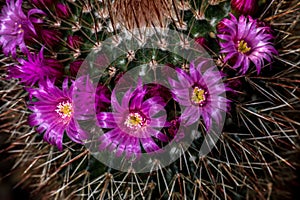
column 243, row 47
column 19, row 28
column 65, row 110
column 198, row 96
column 135, row 121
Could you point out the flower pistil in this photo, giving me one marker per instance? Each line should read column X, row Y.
column 65, row 110
column 243, row 47
column 135, row 121
column 199, row 96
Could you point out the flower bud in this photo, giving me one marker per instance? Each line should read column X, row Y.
column 244, row 7
column 50, row 37
column 74, row 67
column 200, row 40
column 62, row 10
column 42, row 3
column 74, row 41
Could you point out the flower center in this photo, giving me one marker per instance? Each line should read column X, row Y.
column 135, row 120
column 19, row 27
column 243, row 47
column 199, row 96
column 65, row 110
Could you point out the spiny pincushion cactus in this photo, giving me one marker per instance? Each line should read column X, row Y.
column 66, row 50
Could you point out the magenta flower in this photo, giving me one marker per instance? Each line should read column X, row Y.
column 15, row 27
column 200, row 93
column 133, row 124
column 37, row 68
column 244, row 7
column 53, row 113
column 243, row 41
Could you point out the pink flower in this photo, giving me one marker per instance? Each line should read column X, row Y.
column 244, row 41
column 133, row 124
column 35, row 69
column 15, row 27
column 200, row 93
column 53, row 113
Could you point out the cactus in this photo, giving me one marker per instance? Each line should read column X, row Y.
column 256, row 154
